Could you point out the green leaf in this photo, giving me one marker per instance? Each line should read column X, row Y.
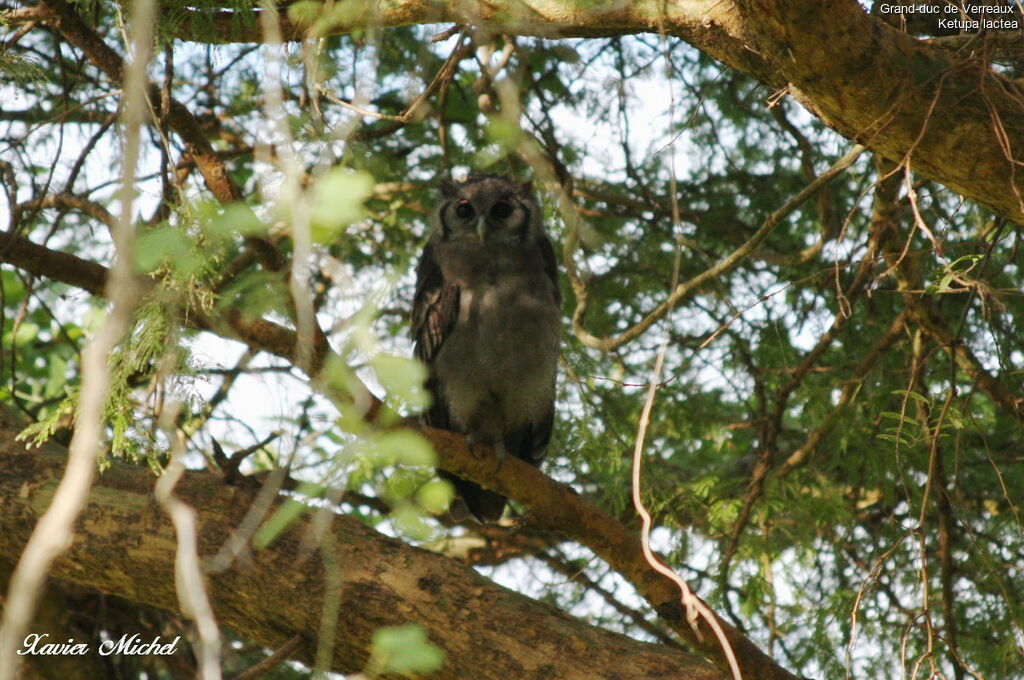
column 913, row 395
column 405, row 650
column 337, row 201
column 25, row 333
column 405, row 447
column 409, row 519
column 56, row 372
column 163, row 244
column 436, row 495
column 506, row 132
column 13, row 289
column 237, row 218
column 304, row 12
column 402, row 377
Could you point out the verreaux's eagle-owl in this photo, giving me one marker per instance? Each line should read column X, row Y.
column 486, row 321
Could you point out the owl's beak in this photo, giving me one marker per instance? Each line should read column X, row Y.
column 481, row 227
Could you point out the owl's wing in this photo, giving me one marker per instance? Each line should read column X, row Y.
column 435, row 309
column 547, row 256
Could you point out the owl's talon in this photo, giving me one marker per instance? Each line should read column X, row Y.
column 471, row 445
column 500, row 453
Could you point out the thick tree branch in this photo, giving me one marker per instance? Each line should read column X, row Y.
column 952, row 119
column 52, row 264
column 126, row 545
column 956, row 120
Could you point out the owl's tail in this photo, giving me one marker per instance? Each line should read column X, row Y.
column 486, row 506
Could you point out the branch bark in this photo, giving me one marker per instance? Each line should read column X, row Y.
column 126, row 545
column 953, row 119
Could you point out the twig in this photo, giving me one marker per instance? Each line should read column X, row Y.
column 188, row 571
column 66, row 200
column 695, row 608
column 442, row 76
column 687, row 288
column 260, row 669
column 445, row 34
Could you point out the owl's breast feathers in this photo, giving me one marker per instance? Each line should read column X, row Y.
column 487, row 321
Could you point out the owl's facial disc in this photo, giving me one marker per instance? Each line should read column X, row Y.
column 493, row 218
column 501, row 210
column 486, row 211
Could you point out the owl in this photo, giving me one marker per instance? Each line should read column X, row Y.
column 486, row 321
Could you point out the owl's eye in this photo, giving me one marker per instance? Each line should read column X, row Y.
column 501, row 210
column 464, row 210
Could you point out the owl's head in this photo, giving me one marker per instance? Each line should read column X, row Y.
column 489, row 208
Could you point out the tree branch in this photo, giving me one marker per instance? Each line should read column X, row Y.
column 63, row 17
column 386, row 581
column 957, row 119
column 256, row 332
